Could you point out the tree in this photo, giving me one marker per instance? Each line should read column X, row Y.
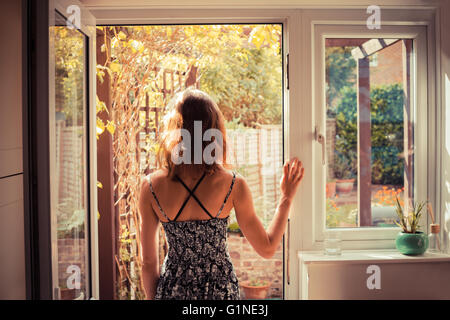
column 246, row 83
column 340, row 72
column 386, row 108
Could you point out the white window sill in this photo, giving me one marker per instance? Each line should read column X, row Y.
column 369, row 256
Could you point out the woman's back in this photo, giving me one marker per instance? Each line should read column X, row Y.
column 198, row 265
column 210, row 192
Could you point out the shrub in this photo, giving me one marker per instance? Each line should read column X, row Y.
column 386, row 104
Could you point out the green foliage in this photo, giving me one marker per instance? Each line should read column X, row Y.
column 246, row 84
column 234, row 227
column 340, row 72
column 344, row 214
column 255, row 282
column 346, row 135
column 343, row 166
column 386, row 132
column 69, row 74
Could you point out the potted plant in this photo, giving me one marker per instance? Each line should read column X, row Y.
column 344, row 175
column 255, row 288
column 410, row 241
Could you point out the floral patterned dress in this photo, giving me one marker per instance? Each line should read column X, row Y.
column 198, row 265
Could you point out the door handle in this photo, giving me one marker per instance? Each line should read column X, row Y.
column 320, row 139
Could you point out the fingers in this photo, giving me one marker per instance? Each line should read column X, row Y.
column 300, row 176
column 296, row 172
column 293, row 167
column 293, row 170
column 296, row 169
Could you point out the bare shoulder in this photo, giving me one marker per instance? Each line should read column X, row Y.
column 242, row 199
column 224, row 175
column 145, row 188
column 239, row 179
column 239, row 186
column 156, row 176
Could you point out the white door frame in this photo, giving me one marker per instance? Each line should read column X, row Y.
column 290, row 21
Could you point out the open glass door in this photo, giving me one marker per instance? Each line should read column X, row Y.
column 72, row 139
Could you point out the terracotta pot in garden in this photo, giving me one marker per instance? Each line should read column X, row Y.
column 255, row 291
column 344, row 186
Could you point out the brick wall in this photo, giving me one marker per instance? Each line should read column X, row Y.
column 248, row 264
column 389, row 67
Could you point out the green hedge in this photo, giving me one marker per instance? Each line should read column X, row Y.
column 387, row 132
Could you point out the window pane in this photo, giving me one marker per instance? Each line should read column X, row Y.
column 368, row 130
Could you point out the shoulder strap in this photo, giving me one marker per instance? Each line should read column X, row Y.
column 228, row 194
column 191, row 194
column 156, row 199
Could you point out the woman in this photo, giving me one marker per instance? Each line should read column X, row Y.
column 193, row 199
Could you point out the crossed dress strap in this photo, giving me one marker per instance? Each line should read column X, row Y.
column 191, row 194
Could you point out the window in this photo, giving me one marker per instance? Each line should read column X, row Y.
column 370, row 139
column 374, row 128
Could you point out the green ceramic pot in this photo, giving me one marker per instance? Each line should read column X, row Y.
column 412, row 243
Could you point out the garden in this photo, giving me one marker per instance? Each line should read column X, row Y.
column 386, row 138
column 240, row 67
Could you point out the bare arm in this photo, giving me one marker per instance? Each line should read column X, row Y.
column 149, row 241
column 266, row 242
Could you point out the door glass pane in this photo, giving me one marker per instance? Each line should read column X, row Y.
column 369, row 130
column 72, row 201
